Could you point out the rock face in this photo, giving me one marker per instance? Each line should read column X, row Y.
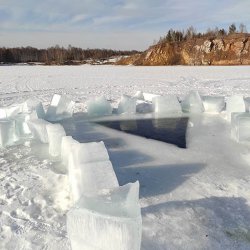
column 230, row 50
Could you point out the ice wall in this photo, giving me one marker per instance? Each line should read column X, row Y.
column 110, row 221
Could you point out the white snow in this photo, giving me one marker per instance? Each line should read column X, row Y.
column 194, row 198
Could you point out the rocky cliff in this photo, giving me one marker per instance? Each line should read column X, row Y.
column 230, row 50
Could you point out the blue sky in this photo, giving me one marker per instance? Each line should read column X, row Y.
column 118, row 24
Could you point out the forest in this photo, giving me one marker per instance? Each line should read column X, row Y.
column 57, row 55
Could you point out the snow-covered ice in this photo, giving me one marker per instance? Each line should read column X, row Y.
column 193, row 198
column 55, row 134
column 99, row 107
column 109, row 221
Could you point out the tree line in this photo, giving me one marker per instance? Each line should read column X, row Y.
column 190, row 33
column 57, row 54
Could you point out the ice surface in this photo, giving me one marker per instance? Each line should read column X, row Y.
column 110, row 221
column 66, row 148
column 34, row 104
column 213, row 104
column 235, row 104
column 99, row 107
column 7, row 132
column 149, row 97
column 192, row 103
column 166, row 105
column 55, row 135
column 21, row 126
column 60, row 107
column 127, row 105
column 240, row 127
column 38, row 129
column 139, row 95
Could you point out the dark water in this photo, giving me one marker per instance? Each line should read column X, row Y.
column 169, row 130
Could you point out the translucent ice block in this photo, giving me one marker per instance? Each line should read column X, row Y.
column 127, row 105
column 110, row 221
column 166, row 105
column 235, row 104
column 192, row 103
column 61, row 107
column 90, row 152
column 213, row 104
column 22, row 128
column 34, row 104
column 66, row 148
column 7, row 132
column 240, row 127
column 38, row 129
column 9, row 111
column 99, row 107
column 55, row 135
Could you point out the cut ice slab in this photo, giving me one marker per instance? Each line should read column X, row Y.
column 61, row 107
column 66, row 148
column 240, row 127
column 90, row 152
column 99, row 107
column 7, row 132
column 32, row 105
column 21, row 126
column 166, row 105
column 213, row 104
column 55, row 135
column 149, row 97
column 127, row 105
column 9, row 111
column 235, row 104
column 38, row 129
column 110, row 221
column 192, row 103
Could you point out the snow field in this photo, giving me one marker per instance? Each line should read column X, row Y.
column 196, row 198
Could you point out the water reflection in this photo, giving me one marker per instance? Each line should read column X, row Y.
column 169, row 130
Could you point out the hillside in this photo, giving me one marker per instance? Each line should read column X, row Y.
column 231, row 49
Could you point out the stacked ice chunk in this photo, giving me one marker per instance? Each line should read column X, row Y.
column 213, row 104
column 127, row 105
column 192, row 103
column 91, row 168
column 240, row 127
column 55, row 134
column 109, row 221
column 38, row 129
column 66, row 148
column 166, row 105
column 235, row 104
column 21, row 126
column 34, row 106
column 99, row 107
column 61, row 107
column 7, row 132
